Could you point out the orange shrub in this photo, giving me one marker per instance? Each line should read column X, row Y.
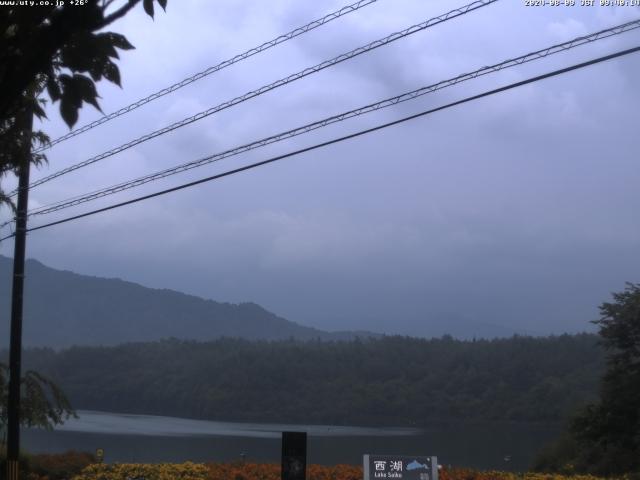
column 60, row 464
column 271, row 471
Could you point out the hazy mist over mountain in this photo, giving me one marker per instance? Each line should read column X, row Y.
column 63, row 308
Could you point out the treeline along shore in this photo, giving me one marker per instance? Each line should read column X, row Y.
column 396, row 381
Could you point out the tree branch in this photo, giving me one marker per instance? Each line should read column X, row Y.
column 121, row 12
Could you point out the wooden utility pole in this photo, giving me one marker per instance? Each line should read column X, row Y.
column 15, row 348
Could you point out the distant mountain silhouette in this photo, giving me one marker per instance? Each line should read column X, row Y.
column 63, row 308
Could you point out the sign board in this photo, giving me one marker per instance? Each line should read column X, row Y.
column 399, row 467
column 100, row 454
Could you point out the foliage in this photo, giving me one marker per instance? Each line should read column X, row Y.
column 609, row 432
column 558, row 456
column 390, row 381
column 43, row 404
column 62, row 49
column 16, row 139
column 270, row 471
column 253, row 471
column 467, row 474
column 604, row 437
column 161, row 471
column 61, row 466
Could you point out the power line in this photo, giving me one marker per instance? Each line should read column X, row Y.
column 266, row 88
column 70, row 202
column 216, row 68
column 73, row 201
column 341, row 139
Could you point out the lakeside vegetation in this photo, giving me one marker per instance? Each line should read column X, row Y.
column 390, row 381
column 604, row 436
column 253, row 471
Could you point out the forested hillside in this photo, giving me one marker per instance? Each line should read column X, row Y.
column 389, row 381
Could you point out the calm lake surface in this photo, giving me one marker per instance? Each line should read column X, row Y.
column 145, row 438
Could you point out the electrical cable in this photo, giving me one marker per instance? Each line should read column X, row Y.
column 267, row 88
column 539, row 54
column 213, row 69
column 343, row 138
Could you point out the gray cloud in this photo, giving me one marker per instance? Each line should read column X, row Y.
column 518, row 210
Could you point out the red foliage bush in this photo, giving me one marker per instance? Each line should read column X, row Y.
column 62, row 466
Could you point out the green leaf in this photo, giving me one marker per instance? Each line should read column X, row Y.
column 111, row 73
column 69, row 112
column 78, row 53
column 64, row 80
column 102, row 46
column 38, row 111
column 163, row 4
column 74, row 91
column 96, row 69
column 87, row 90
column 53, row 89
column 119, row 41
column 148, row 7
column 70, row 91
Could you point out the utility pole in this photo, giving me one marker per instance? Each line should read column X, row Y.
column 15, row 350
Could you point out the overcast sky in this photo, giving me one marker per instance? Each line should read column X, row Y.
column 518, row 211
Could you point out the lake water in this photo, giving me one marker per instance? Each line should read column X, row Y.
column 145, row 438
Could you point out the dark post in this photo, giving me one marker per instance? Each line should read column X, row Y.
column 15, row 349
column 294, row 456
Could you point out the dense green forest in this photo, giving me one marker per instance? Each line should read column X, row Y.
column 387, row 381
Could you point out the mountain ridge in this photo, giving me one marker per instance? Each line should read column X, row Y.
column 64, row 308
